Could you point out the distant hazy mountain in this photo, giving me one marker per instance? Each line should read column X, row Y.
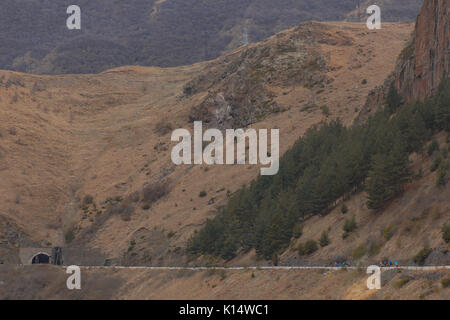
column 34, row 37
column 391, row 10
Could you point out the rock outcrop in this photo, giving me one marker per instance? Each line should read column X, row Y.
column 239, row 91
column 423, row 62
column 427, row 59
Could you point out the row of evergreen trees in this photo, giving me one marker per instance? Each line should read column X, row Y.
column 329, row 163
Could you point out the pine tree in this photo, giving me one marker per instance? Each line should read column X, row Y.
column 378, row 191
column 412, row 128
column 441, row 106
column 324, row 239
column 398, row 170
column 441, row 179
column 393, row 100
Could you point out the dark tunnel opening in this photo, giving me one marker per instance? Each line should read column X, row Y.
column 41, row 258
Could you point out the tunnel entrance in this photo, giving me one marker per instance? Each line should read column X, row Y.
column 41, row 258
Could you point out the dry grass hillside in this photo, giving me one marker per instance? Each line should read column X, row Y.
column 85, row 159
column 44, row 282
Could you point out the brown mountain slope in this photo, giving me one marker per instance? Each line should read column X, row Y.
column 108, row 136
column 414, row 220
column 43, row 282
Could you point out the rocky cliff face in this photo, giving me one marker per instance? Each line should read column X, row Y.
column 423, row 62
column 428, row 58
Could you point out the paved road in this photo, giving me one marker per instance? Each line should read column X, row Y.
column 427, row 268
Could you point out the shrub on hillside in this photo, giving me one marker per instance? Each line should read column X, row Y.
column 445, row 282
column 400, row 283
column 154, row 191
column 69, row 235
column 434, row 146
column 446, row 233
column 388, row 233
column 349, row 227
column 422, row 255
column 344, row 208
column 307, row 248
column 88, row 199
column 298, row 230
column 436, row 163
column 275, row 259
column 373, row 248
column 441, row 178
column 163, row 127
column 359, row 252
column 125, row 210
column 324, row 239
column 350, row 224
column 325, row 110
